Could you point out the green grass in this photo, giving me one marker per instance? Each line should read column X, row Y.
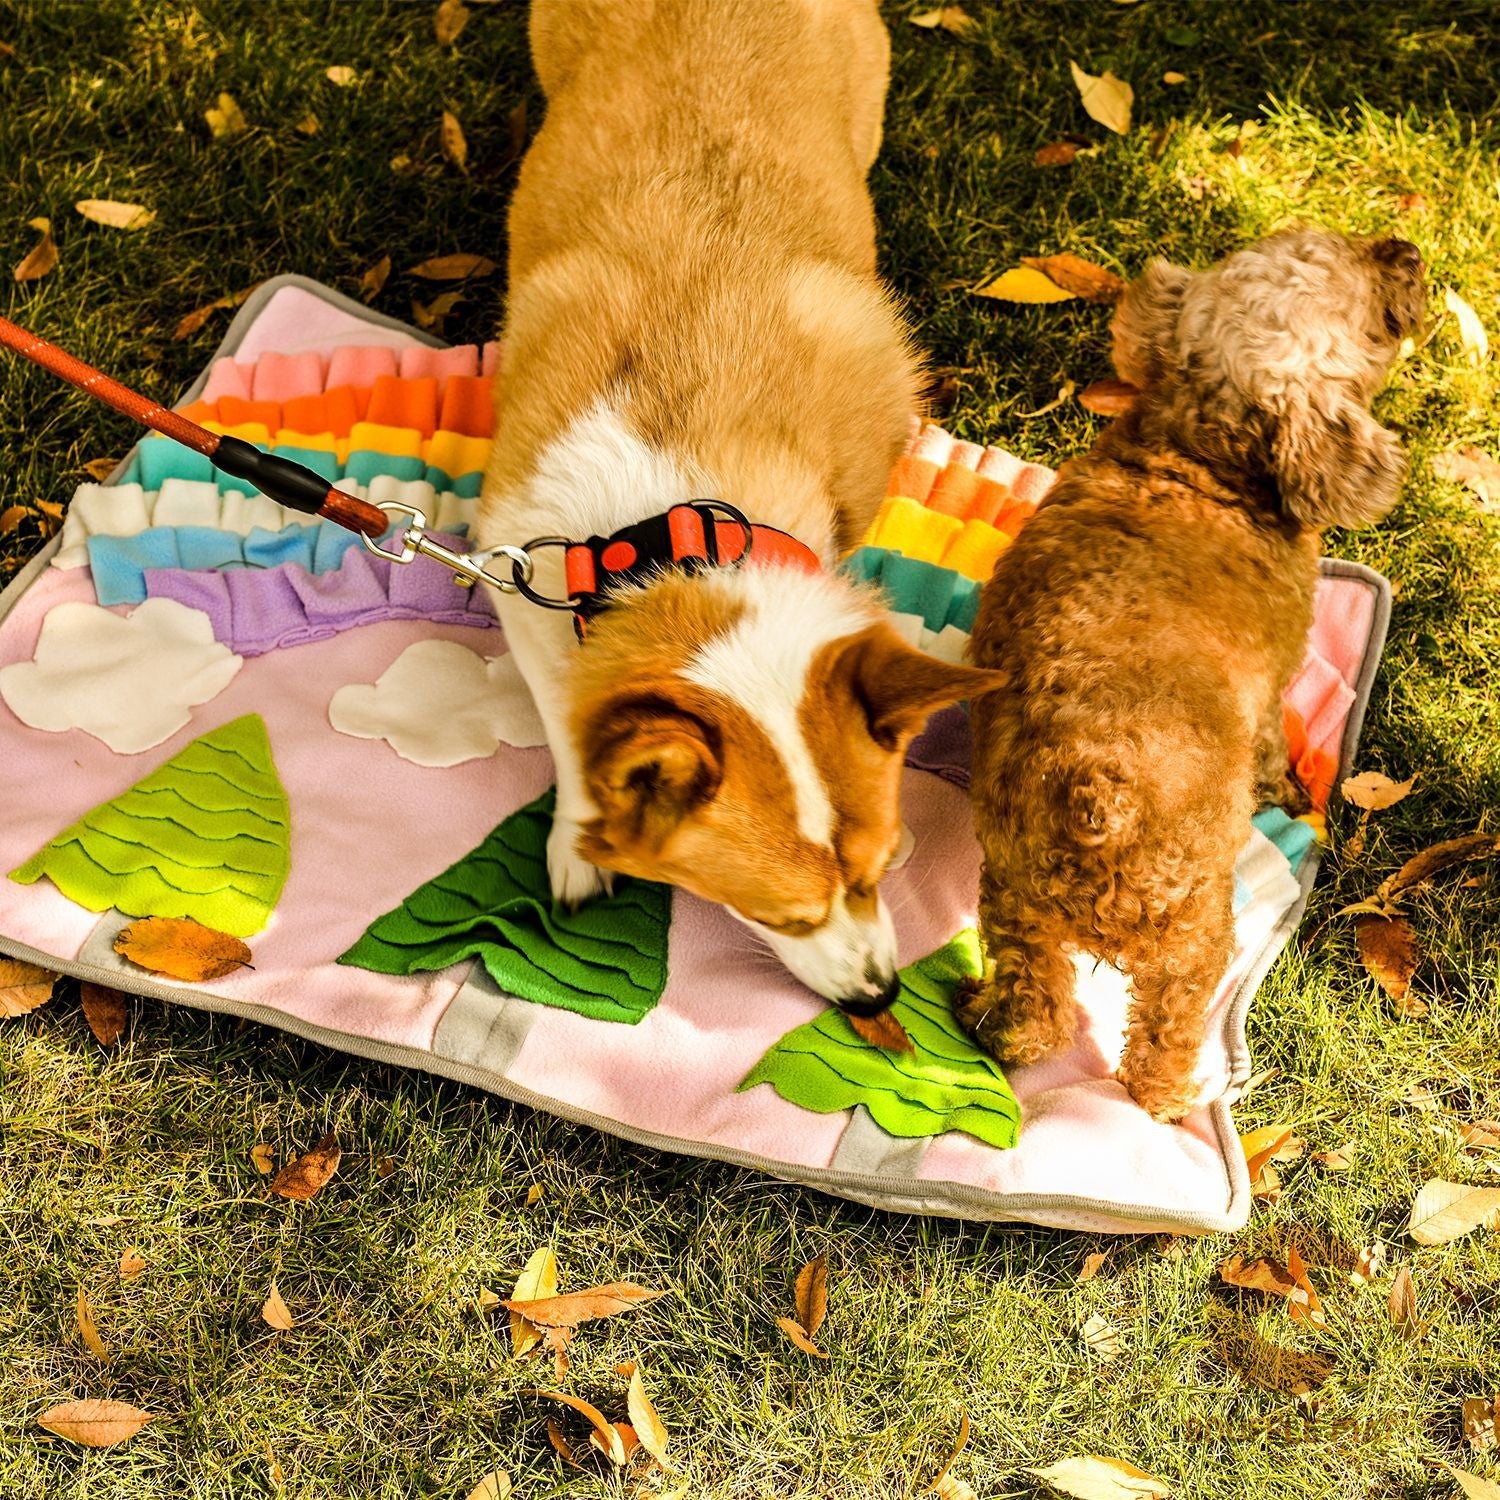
column 392, row 1385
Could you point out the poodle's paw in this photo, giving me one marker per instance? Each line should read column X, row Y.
column 1287, row 793
column 990, row 1017
column 1163, row 1096
column 574, row 880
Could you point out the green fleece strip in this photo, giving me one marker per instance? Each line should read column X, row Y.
column 945, row 1083
column 607, row 960
column 206, row 835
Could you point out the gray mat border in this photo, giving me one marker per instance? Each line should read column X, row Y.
column 909, row 1195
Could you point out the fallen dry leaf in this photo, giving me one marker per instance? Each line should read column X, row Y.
column 1106, row 98
column 534, row 1194
column 1101, row 1337
column 275, row 1313
column 1259, row 1146
column 132, row 1263
column 649, row 1428
column 42, row 257
column 1374, row 792
column 1421, row 868
column 1307, row 1308
column 226, row 119
column 191, row 322
column 881, row 1030
column 264, row 1158
column 1369, row 1266
column 1092, row 1264
column 385, row 1167
column 1471, row 334
column 1473, row 1486
column 496, row 1486
column 936, row 1487
column 454, row 268
column 560, row 1444
column 629, row 1442
column 1481, row 1422
column 517, row 122
column 1173, row 77
column 309, row 124
column 1271, row 1276
column 448, row 21
column 181, row 948
column 1023, row 284
column 1474, row 469
column 1060, row 153
column 812, row 1294
column 88, row 1331
column 114, row 215
column 52, row 513
column 1480, row 1135
column 1445, row 1210
column 950, row 18
column 795, row 1332
column 1108, row 398
column 340, row 76
column 1081, row 277
column 1411, row 203
column 95, row 1424
column 23, row 987
column 431, row 315
column 451, row 141
column 310, row 1173
column 374, row 279
column 99, row 469
column 1338, row 1160
column 1402, row 1305
column 11, row 517
column 538, row 1282
column 1093, row 1478
column 1271, row 1367
column 614, row 1447
column 104, row 1010
column 1388, row 948
column 573, row 1308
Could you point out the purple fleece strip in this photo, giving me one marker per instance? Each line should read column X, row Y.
column 945, row 747
column 255, row 610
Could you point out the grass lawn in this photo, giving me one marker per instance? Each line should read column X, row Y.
column 1375, row 117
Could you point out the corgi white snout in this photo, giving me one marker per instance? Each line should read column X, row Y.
column 850, row 960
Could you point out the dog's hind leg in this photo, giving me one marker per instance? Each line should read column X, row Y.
column 1275, row 786
column 1024, row 1007
column 1175, row 966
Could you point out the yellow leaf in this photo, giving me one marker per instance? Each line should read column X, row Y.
column 1101, row 1337
column 650, row 1430
column 613, row 1444
column 494, row 1486
column 1106, row 98
column 23, row 987
column 1445, row 1210
column 1024, row 284
column 950, row 18
column 795, row 1332
column 1473, row 1486
column 1092, row 1265
column 114, row 215
column 1261, row 1145
column 181, row 948
column 1173, row 78
column 937, row 1485
column 225, row 119
column 309, row 124
column 89, row 1332
column 95, row 1424
column 276, row 1313
column 1471, row 334
column 1373, row 792
column 431, row 316
column 534, row 1194
column 1102, row 1479
column 537, row 1281
column 42, row 256
column 340, row 75
column 451, row 141
column 191, row 322
column 374, row 279
column 450, row 18
column 264, row 1159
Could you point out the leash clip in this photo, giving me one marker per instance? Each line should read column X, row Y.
column 468, row 568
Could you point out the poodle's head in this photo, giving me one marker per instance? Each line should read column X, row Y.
column 1269, row 361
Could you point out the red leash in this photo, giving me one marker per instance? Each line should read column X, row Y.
column 278, row 478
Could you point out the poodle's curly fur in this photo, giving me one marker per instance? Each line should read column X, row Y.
column 1146, row 621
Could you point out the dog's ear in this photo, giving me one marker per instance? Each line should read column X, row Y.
column 1335, row 468
column 1144, row 331
column 898, row 687
column 651, row 765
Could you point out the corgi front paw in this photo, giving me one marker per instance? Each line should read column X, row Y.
column 574, row 880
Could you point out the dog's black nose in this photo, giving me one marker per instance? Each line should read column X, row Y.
column 1399, row 253
column 872, row 1002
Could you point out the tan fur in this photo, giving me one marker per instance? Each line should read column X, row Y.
column 1145, row 623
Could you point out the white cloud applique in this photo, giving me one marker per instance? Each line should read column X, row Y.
column 440, row 704
column 129, row 680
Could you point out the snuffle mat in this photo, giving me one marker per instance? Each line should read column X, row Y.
column 248, row 720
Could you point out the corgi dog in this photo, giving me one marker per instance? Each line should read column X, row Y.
column 703, row 386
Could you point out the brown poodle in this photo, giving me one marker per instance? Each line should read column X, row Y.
column 1147, row 620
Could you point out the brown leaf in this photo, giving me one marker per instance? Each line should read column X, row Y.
column 431, row 315
column 454, row 268
column 517, row 122
column 950, row 18
column 275, row 1313
column 1481, row 1420
column 1402, row 1305
column 557, row 1340
column 89, row 1331
column 225, row 119
column 181, row 948
column 385, row 1167
column 23, row 987
column 99, row 469
column 1480, row 1135
column 1374, row 792
column 11, row 517
column 1271, row 1367
column 1474, row 469
column 649, row 1428
column 1411, row 203
column 1092, row 1265
column 340, row 76
column 7, row 51
column 309, row 1174
column 1388, row 947
column 1307, row 1308
column 42, row 257
column 449, row 20
column 1057, row 153
column 573, row 1308
column 373, row 280
column 114, row 215
column 538, row 1282
column 1338, row 1160
column 104, row 1010
column 798, row 1335
column 614, row 1447
column 451, row 141
column 1369, row 1266
column 264, row 1158
column 812, row 1294
column 95, row 1424
column 1271, row 1276
column 629, row 1442
column 190, row 323
column 1445, row 1210
column 1421, row 868
column 132, row 1263
column 309, row 124
column 52, row 514
column 496, row 1486
column 560, row 1443
column 1081, row 277
column 1108, row 398
column 881, row 1030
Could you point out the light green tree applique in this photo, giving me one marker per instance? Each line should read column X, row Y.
column 945, row 1083
column 204, row 836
